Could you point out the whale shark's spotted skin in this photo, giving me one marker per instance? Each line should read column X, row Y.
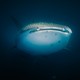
column 43, row 38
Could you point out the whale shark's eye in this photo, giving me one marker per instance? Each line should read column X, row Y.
column 43, row 38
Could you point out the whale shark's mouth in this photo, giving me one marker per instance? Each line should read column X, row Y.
column 46, row 26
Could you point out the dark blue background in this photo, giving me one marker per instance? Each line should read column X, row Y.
column 13, row 62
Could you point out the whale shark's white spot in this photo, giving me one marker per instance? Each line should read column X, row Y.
column 43, row 38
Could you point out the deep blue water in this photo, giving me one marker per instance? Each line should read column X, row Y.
column 61, row 65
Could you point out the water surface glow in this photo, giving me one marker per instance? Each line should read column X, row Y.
column 43, row 38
